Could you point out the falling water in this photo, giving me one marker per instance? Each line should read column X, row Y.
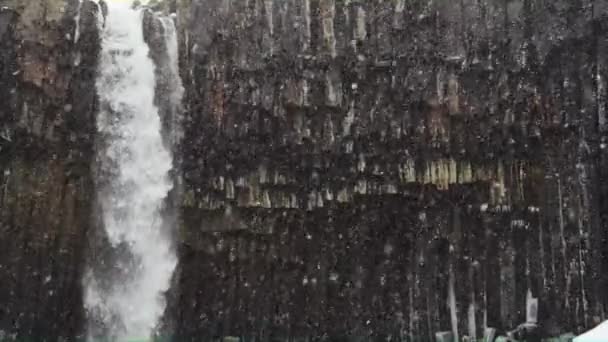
column 77, row 22
column 176, row 89
column 127, row 302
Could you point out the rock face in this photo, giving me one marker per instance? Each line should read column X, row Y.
column 399, row 169
column 391, row 168
column 47, row 126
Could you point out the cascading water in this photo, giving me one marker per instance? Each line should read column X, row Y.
column 125, row 300
column 176, row 90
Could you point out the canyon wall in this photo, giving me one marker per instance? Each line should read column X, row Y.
column 347, row 169
column 48, row 61
column 391, row 168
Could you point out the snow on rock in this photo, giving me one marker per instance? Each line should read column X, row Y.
column 597, row 334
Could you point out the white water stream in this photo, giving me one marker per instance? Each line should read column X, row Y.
column 128, row 303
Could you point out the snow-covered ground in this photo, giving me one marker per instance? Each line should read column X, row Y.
column 597, row 334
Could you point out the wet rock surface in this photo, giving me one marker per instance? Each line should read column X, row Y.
column 47, row 126
column 349, row 170
column 391, row 168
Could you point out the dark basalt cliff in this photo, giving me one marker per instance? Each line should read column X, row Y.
column 47, row 127
column 391, row 168
column 348, row 169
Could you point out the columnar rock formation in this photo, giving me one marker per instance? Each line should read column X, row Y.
column 392, row 167
column 348, row 168
column 47, row 118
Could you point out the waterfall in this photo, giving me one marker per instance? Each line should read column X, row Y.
column 125, row 299
column 77, row 22
column 176, row 89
